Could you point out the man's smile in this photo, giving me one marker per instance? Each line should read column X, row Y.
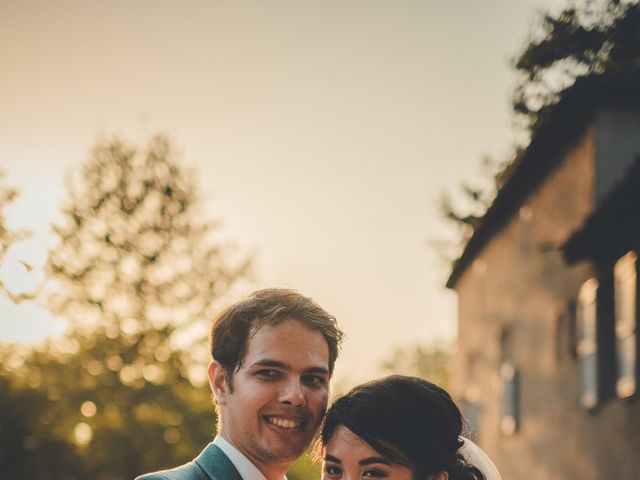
column 284, row 422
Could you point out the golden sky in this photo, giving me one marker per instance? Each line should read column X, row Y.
column 323, row 132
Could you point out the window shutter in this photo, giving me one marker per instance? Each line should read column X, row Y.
column 587, row 342
column 625, row 288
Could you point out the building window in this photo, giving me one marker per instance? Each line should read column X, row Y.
column 587, row 342
column 510, row 412
column 472, row 409
column 625, row 275
column 509, row 420
column 566, row 341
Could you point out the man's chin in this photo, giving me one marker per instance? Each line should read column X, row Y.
column 284, row 454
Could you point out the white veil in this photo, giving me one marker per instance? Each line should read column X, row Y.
column 475, row 456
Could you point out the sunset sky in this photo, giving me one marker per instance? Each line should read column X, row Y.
column 323, row 134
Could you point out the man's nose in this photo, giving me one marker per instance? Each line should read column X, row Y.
column 292, row 393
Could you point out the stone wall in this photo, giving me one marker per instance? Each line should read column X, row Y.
column 514, row 306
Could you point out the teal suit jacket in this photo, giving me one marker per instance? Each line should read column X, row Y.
column 211, row 464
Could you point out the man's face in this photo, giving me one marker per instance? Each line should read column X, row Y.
column 279, row 395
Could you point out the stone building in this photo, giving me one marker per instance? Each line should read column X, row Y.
column 546, row 368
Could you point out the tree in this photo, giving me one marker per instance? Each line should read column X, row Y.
column 306, row 467
column 136, row 271
column 134, row 254
column 85, row 406
column 9, row 237
column 430, row 363
column 465, row 211
column 591, row 38
column 7, row 195
column 26, row 449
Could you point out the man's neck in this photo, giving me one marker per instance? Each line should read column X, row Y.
column 271, row 471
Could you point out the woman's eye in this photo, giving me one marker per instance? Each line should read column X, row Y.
column 332, row 471
column 374, row 473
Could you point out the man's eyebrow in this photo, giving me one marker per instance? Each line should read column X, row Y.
column 317, row 370
column 371, row 460
column 266, row 362
column 331, row 458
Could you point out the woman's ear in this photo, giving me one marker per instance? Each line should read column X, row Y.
column 444, row 475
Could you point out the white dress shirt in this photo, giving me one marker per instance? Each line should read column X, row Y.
column 246, row 469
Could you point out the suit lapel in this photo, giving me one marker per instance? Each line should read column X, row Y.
column 217, row 465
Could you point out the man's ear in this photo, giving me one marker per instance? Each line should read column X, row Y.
column 218, row 382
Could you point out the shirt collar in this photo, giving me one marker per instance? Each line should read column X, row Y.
column 246, row 469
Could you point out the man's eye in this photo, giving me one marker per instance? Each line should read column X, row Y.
column 268, row 374
column 315, row 381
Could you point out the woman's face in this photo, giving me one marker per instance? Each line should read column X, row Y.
column 349, row 457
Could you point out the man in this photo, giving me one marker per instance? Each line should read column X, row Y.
column 273, row 354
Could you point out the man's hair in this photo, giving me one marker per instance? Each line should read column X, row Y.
column 234, row 327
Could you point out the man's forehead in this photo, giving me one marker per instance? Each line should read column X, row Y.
column 287, row 341
column 284, row 328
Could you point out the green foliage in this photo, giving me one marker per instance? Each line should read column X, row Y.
column 108, row 413
column 589, row 38
column 22, row 435
column 134, row 253
column 137, row 273
column 430, row 363
column 305, row 468
column 465, row 212
column 9, row 237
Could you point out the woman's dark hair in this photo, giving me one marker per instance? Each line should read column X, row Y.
column 408, row 420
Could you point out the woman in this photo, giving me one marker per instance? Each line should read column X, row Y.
column 400, row 428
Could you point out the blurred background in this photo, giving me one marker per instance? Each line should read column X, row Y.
column 161, row 159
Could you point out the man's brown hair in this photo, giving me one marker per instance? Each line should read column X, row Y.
column 233, row 328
